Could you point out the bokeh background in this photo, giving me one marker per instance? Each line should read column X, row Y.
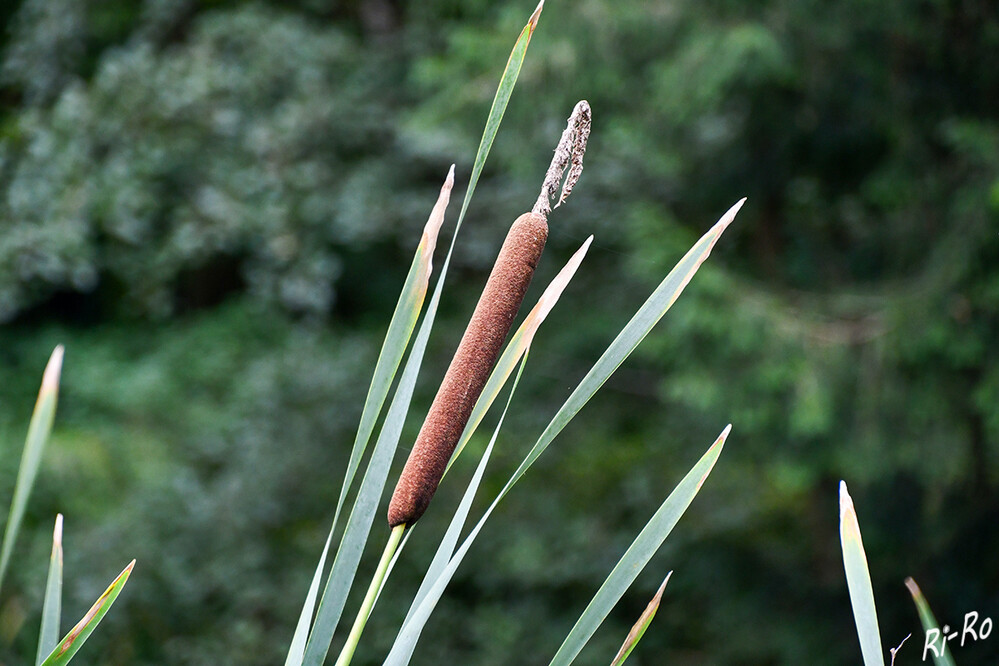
column 212, row 204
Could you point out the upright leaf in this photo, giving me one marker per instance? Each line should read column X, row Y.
column 929, row 622
column 38, row 434
column 48, row 636
column 404, row 318
column 858, row 579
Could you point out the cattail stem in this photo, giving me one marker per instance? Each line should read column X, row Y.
column 487, row 330
column 347, row 653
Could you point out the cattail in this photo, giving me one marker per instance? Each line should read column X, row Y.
column 487, row 330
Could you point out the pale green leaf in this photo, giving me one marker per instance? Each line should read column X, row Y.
column 48, row 636
column 638, row 554
column 31, row 459
column 858, row 579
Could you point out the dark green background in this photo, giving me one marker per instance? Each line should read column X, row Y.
column 213, row 204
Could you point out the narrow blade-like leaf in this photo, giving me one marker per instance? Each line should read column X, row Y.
column 48, row 636
column 858, row 579
column 404, row 318
column 355, row 536
column 929, row 622
column 639, row 553
column 638, row 630
column 38, row 434
column 633, row 333
column 79, row 634
column 296, row 652
column 503, row 92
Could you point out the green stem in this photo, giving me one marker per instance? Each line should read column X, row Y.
column 369, row 599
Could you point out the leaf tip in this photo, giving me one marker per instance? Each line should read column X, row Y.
column 50, row 379
column 533, row 21
column 730, row 214
column 913, row 588
column 57, row 532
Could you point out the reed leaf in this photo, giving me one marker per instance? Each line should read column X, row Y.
column 48, row 636
column 638, row 630
column 79, row 634
column 31, row 459
column 858, row 579
column 404, row 318
column 929, row 622
column 638, row 554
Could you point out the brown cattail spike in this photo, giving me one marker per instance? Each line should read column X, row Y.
column 470, row 367
column 487, row 330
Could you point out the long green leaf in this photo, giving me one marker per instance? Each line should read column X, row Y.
column 296, row 652
column 929, row 622
column 38, row 434
column 858, row 579
column 638, row 630
column 634, row 331
column 79, row 634
column 358, row 526
column 404, row 318
column 638, row 554
column 48, row 636
column 503, row 92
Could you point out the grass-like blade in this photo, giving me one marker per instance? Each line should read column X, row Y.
column 929, row 622
column 503, row 92
column 48, row 636
column 38, row 434
column 296, row 652
column 638, row 554
column 634, row 331
column 79, row 634
column 858, row 579
column 355, row 534
column 432, row 589
column 404, row 318
column 638, row 630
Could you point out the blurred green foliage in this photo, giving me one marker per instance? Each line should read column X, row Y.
column 212, row 204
